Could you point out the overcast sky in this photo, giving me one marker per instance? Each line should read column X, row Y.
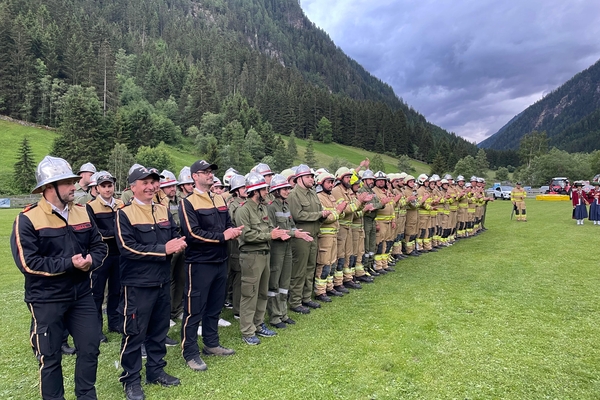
column 468, row 66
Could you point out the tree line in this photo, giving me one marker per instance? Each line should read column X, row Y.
column 138, row 73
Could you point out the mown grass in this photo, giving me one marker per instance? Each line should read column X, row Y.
column 510, row 314
column 325, row 153
column 11, row 135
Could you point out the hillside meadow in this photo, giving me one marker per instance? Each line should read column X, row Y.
column 183, row 154
column 510, row 314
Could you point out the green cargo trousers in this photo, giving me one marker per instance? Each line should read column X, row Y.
column 304, row 263
column 255, row 284
column 279, row 281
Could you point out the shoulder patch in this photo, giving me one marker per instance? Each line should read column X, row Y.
column 29, row 207
column 80, row 205
column 271, row 202
column 81, row 226
column 242, row 203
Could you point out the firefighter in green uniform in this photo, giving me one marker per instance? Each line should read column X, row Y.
column 281, row 252
column 237, row 189
column 266, row 172
column 255, row 245
column 186, row 183
column 81, row 188
column 307, row 213
column 463, row 205
column 168, row 187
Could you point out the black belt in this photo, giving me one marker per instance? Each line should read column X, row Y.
column 263, row 252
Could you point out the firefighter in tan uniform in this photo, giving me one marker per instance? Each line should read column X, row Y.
column 423, row 222
column 452, row 201
column 436, row 212
column 517, row 196
column 386, row 223
column 446, row 194
column 411, row 231
column 358, row 232
column 471, row 208
column 346, row 262
column 327, row 253
column 397, row 181
column 463, row 205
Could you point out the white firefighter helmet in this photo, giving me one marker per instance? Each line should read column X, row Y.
column 52, row 169
column 322, row 177
column 422, row 179
column 448, row 177
column 445, row 181
column 168, row 179
column 87, row 167
column 379, row 175
column 255, row 181
column 341, row 172
column 278, row 182
column 367, row 174
column 402, row 175
column 473, row 179
column 434, row 177
column 460, row 178
column 409, row 178
column 303, row 170
column 263, row 169
column 236, row 181
column 93, row 180
column 227, row 177
column 185, row 176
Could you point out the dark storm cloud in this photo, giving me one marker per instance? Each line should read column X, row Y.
column 468, row 66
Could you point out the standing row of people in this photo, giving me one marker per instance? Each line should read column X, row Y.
column 265, row 243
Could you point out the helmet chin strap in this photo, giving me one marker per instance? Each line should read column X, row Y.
column 55, row 185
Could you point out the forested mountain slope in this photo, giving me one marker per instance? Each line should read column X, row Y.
column 570, row 115
column 157, row 67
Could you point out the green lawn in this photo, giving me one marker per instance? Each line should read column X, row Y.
column 325, row 153
column 510, row 314
column 11, row 135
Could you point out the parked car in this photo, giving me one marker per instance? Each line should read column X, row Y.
column 544, row 189
column 502, row 192
column 560, row 185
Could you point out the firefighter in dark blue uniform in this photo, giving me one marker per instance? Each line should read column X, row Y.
column 103, row 210
column 206, row 224
column 147, row 237
column 56, row 245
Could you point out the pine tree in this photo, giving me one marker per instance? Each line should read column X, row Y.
column 439, row 164
column 24, row 169
column 291, row 146
column 309, row 154
column 281, row 155
column 119, row 162
column 404, row 164
column 324, row 131
column 377, row 163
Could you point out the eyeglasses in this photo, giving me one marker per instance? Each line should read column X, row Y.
column 205, row 172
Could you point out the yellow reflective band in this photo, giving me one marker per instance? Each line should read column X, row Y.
column 328, row 231
column 345, row 222
column 384, row 218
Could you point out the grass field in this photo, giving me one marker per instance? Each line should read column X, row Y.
column 510, row 314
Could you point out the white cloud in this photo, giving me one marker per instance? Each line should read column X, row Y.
column 468, row 66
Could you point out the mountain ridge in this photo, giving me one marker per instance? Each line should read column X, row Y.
column 569, row 115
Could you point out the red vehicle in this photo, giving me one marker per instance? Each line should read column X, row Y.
column 559, row 186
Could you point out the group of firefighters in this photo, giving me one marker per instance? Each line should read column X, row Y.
column 262, row 244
